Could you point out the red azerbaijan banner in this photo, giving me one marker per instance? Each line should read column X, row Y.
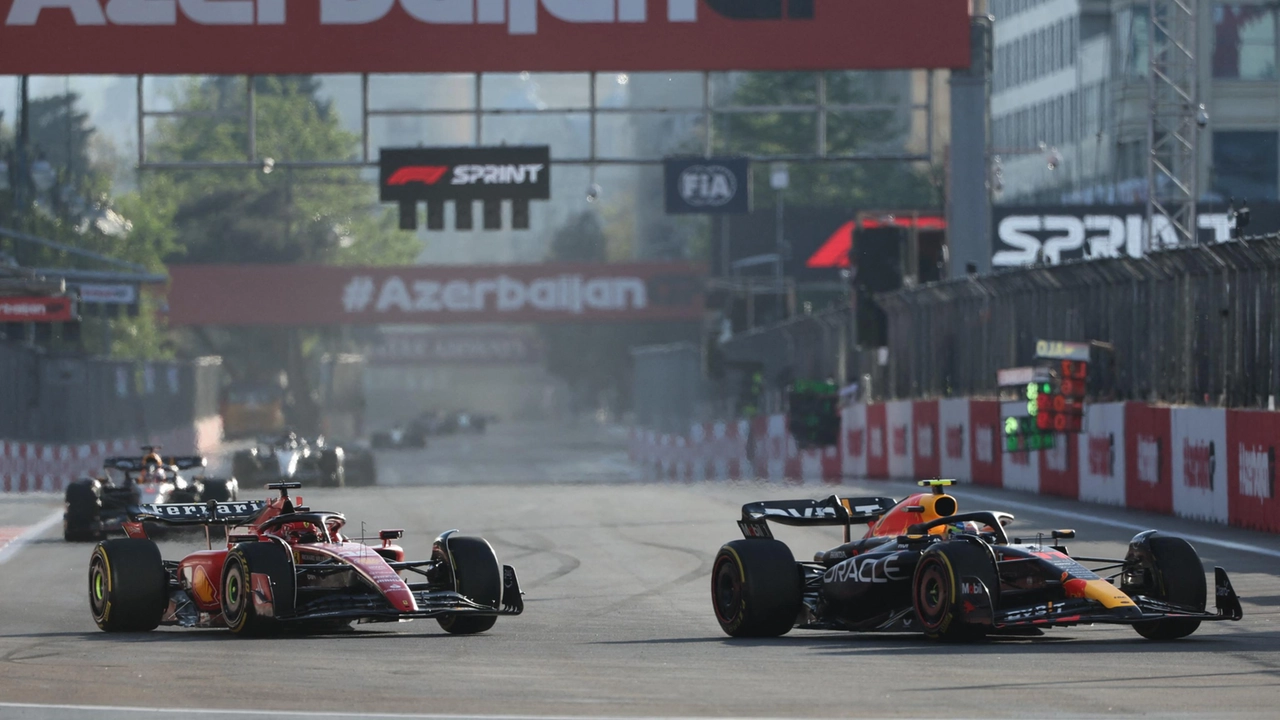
column 432, row 294
column 36, row 309
column 235, row 37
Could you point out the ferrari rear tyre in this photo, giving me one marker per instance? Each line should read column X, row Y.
column 239, row 609
column 935, row 589
column 479, row 578
column 1175, row 576
column 755, row 588
column 128, row 585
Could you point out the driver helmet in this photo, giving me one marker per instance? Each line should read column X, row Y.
column 302, row 532
column 152, row 470
column 964, row 528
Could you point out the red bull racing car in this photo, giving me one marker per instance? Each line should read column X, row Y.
column 97, row 506
column 923, row 566
column 287, row 566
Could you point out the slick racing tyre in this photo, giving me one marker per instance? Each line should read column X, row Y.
column 220, row 490
column 83, row 519
column 128, row 585
column 935, row 589
column 266, row 560
column 332, row 470
column 245, row 467
column 479, row 579
column 360, row 469
column 755, row 588
column 1173, row 573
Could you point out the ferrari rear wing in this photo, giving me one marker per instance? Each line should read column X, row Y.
column 210, row 513
column 833, row 510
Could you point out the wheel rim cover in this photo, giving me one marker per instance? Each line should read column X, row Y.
column 931, row 595
column 727, row 592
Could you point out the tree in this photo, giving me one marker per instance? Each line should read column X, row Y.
column 253, row 216
column 863, row 185
column 328, row 216
column 79, row 212
column 595, row 359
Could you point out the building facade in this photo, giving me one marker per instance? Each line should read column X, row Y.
column 1070, row 110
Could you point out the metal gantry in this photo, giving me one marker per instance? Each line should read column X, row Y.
column 477, row 111
column 1174, row 120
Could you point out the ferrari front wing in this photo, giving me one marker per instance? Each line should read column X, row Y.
column 431, row 603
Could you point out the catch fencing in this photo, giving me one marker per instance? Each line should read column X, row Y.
column 1197, row 325
column 52, row 399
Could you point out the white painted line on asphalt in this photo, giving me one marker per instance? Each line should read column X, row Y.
column 1087, row 517
column 8, row 551
column 181, row 712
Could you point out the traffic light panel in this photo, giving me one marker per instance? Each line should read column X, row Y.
column 813, row 414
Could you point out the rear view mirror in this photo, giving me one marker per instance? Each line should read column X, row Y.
column 1063, row 534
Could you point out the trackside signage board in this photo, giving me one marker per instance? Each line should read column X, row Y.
column 456, row 348
column 52, row 37
column 1027, row 235
column 713, row 186
column 280, row 295
column 488, row 173
column 37, row 309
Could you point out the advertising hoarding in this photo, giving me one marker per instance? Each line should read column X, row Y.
column 233, row 37
column 292, row 295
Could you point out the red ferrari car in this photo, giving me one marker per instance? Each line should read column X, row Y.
column 287, row 566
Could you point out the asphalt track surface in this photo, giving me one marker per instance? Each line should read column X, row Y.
column 618, row 621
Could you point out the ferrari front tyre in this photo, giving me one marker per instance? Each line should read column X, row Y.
column 250, row 610
column 1175, row 575
column 128, row 585
column 935, row 589
column 755, row 588
column 479, row 579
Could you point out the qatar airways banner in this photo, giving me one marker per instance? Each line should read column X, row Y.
column 233, row 37
column 278, row 295
column 466, row 348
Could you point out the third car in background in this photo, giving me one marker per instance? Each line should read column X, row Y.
column 316, row 461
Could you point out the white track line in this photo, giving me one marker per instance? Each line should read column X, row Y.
column 8, row 551
column 1087, row 517
column 183, row 712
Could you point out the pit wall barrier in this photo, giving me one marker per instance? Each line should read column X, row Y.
column 34, row 467
column 1201, row 463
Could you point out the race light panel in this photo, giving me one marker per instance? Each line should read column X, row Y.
column 813, row 413
column 1041, row 401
